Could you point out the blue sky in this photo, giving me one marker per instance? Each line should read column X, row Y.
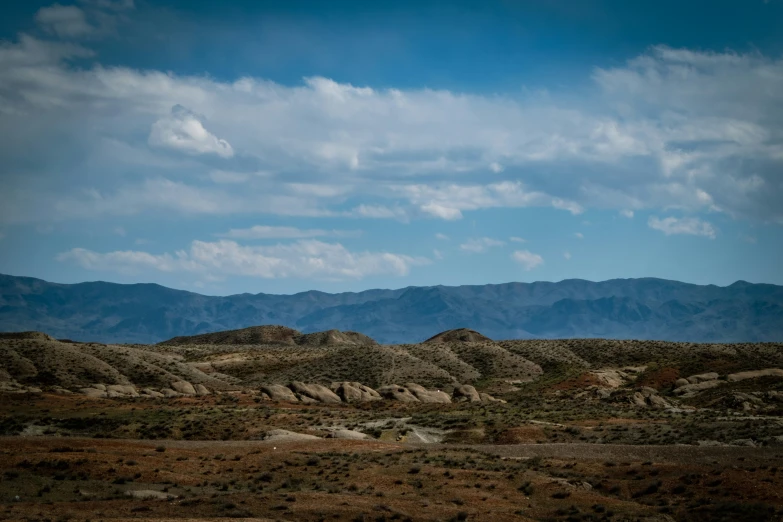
column 285, row 146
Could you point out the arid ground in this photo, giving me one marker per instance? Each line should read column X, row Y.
column 270, row 424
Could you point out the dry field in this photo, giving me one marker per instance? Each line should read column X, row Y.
column 511, row 430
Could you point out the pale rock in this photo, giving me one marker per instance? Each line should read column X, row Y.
column 465, row 393
column 397, row 393
column 741, row 376
column 278, row 392
column 316, row 392
column 425, row 395
column 184, row 387
column 702, row 377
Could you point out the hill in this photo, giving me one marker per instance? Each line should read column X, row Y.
column 645, row 308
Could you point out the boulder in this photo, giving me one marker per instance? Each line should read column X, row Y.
column 485, row 397
column 397, row 393
column 348, row 435
column 695, row 388
column 93, row 392
column 126, row 390
column 278, row 392
column 637, row 399
column 465, row 393
column 741, row 376
column 149, row 392
column 646, row 391
column 169, row 393
column 184, row 387
column 657, row 401
column 679, row 383
column 354, row 392
column 425, row 395
column 201, row 389
column 317, row 392
column 101, row 387
column 702, row 377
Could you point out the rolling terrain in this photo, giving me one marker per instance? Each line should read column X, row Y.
column 270, row 423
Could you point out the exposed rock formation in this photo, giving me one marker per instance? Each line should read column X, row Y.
column 425, row 395
column 316, row 392
column 397, row 393
column 465, row 393
column 278, row 392
column 741, row 376
column 354, row 392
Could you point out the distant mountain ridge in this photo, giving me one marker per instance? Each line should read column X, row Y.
column 645, row 308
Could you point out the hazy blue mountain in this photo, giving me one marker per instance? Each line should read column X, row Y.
column 620, row 308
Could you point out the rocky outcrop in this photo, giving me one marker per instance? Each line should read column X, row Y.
column 278, row 392
column 741, row 376
column 348, row 435
column 201, row 389
column 465, row 393
column 695, row 388
column 354, row 392
column 316, row 392
column 425, row 395
column 121, row 390
column 183, row 387
column 287, row 436
column 702, row 377
column 397, row 393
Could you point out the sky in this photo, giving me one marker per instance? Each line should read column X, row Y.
column 279, row 147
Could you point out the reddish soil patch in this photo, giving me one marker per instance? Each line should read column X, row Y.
column 659, row 379
column 522, row 435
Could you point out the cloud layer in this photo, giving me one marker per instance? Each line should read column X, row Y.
column 305, row 259
column 673, row 128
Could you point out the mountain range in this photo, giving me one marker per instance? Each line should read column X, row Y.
column 645, row 308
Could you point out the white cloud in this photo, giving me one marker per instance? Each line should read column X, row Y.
column 185, row 132
column 527, row 259
column 627, row 213
column 516, row 239
column 305, row 259
column 579, row 235
column 65, row 21
column 119, row 231
column 228, row 177
column 435, row 252
column 271, row 232
column 690, row 226
column 478, row 245
column 749, row 239
column 567, row 255
column 672, row 128
column 448, row 201
column 442, row 237
column 441, row 211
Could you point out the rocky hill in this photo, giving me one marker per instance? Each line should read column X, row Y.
column 621, row 309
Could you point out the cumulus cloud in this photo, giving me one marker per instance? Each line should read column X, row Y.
column 567, row 255
column 65, row 21
column 516, row 239
column 448, row 201
column 482, row 244
column 689, row 225
column 442, row 237
column 305, row 259
column 270, row 232
column 182, row 130
column 579, row 235
column 527, row 259
column 671, row 128
column 627, row 213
